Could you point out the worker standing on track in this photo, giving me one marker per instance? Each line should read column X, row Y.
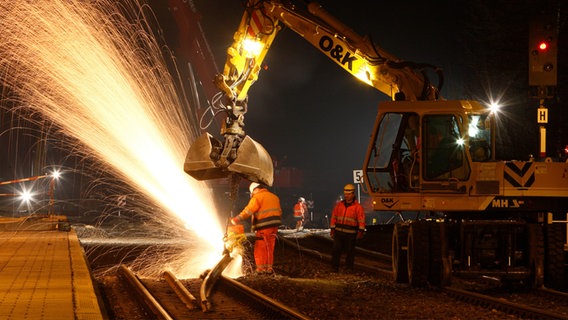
column 346, row 226
column 300, row 211
column 266, row 214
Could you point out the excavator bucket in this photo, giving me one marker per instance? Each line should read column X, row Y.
column 252, row 162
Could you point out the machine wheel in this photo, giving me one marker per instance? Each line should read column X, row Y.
column 418, row 253
column 554, row 276
column 399, row 248
column 536, row 255
column 440, row 267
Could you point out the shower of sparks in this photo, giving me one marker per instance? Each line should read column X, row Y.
column 103, row 80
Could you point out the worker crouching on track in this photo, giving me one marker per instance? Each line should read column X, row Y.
column 347, row 225
column 266, row 213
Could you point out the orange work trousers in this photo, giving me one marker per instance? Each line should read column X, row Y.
column 264, row 249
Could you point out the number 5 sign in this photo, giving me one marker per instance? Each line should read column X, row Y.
column 358, row 176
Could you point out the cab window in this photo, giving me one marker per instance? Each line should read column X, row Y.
column 479, row 132
column 444, row 150
column 379, row 167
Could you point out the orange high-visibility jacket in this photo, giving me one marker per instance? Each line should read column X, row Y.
column 300, row 210
column 348, row 219
column 264, row 208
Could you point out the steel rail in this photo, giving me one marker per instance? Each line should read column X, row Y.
column 553, row 293
column 506, row 306
column 149, row 302
column 360, row 250
column 327, row 257
column 263, row 299
column 181, row 291
column 210, row 280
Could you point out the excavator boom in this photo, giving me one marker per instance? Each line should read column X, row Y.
column 208, row 158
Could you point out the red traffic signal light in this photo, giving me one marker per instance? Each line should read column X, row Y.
column 543, row 34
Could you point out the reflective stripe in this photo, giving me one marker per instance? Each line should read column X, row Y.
column 267, row 223
column 348, row 219
column 346, row 229
column 264, row 209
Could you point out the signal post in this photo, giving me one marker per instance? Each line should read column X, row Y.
column 543, row 52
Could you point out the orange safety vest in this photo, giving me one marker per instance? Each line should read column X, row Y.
column 348, row 219
column 299, row 210
column 264, row 208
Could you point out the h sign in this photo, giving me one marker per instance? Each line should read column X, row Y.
column 542, row 115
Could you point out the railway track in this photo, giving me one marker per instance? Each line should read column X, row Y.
column 171, row 298
column 305, row 279
column 320, row 247
column 533, row 304
column 517, row 301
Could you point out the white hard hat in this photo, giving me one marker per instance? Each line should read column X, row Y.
column 253, row 186
column 301, row 199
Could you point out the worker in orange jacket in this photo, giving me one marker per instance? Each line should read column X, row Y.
column 300, row 211
column 266, row 214
column 346, row 226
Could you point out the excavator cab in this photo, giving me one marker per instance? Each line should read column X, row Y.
column 418, row 146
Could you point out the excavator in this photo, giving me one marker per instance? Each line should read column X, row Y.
column 428, row 158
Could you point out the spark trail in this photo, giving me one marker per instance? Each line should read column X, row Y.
column 102, row 79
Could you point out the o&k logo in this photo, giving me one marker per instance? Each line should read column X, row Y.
column 388, row 202
column 337, row 52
